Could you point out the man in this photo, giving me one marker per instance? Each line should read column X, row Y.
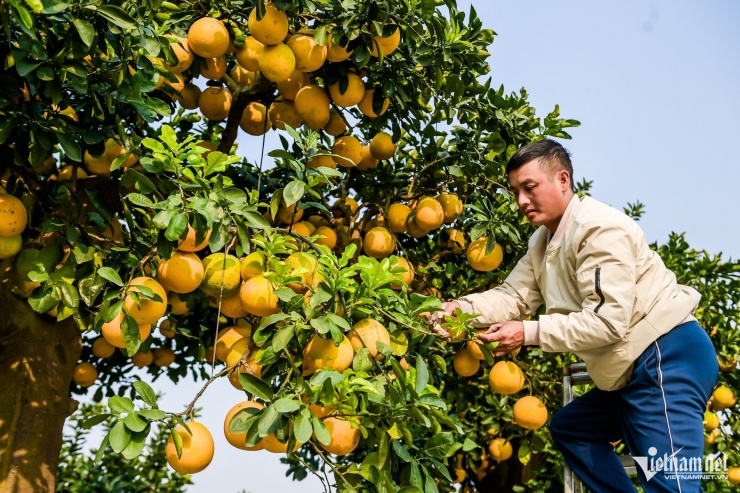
column 611, row 301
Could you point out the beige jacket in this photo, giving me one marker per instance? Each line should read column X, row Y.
column 607, row 295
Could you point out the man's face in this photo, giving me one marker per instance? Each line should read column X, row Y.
column 542, row 195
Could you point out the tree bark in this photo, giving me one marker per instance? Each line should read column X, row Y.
column 37, row 359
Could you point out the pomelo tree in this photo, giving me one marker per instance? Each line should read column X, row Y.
column 147, row 221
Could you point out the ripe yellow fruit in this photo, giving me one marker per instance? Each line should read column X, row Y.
column 179, row 304
column 429, row 214
column 456, row 239
column 239, row 440
column 309, row 55
column 407, row 275
column 272, row 28
column 276, row 62
column 229, row 336
column 506, row 378
column 208, row 37
column 289, row 214
column 242, row 76
column 348, row 150
column 232, row 307
column 500, row 449
column 321, row 159
column 96, row 165
column 368, row 161
column 336, row 52
column 197, row 449
column 473, row 347
column 248, row 55
column 344, row 438
column 352, row 94
column 733, row 475
column 221, row 275
column 477, row 258
column 366, row 105
column 283, row 113
column 215, row 103
column 397, row 216
column 289, row 87
column 337, row 125
column 254, row 120
column 140, row 360
column 322, row 353
column 181, row 273
column 258, row 297
column 530, row 412
column 451, row 205
column 214, row 68
column 307, row 263
column 382, row 146
column 252, row 265
column 723, row 398
column 112, row 332
column 367, row 333
column 84, row 374
column 388, row 44
column 150, row 310
column 167, row 329
column 465, row 364
column 10, row 245
column 188, row 244
column 711, row 421
column 378, row 243
column 312, row 104
column 163, row 356
column 189, row 97
column 329, row 237
column 240, row 354
column 102, row 348
column 183, row 54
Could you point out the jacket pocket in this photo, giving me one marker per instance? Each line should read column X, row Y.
column 598, row 290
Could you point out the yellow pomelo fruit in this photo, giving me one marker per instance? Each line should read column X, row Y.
column 451, row 205
column 163, row 356
column 181, row 273
column 276, row 62
column 366, row 105
column 733, row 475
column 349, row 151
column 337, row 125
column 289, row 214
column 711, row 421
column 10, row 245
column 242, row 76
column 349, row 202
column 283, row 113
column 215, row 103
column 179, row 304
column 140, row 360
column 241, row 353
column 465, row 364
column 214, row 68
column 197, row 449
column 330, row 237
column 258, row 297
column 312, row 104
column 407, row 274
column 322, row 353
column 102, row 348
column 150, row 310
column 97, row 165
column 229, row 336
column 188, row 244
column 336, row 52
column 378, row 243
column 307, row 263
column 386, row 44
column 368, row 161
column 382, row 146
column 272, row 28
column 239, row 440
column 344, row 438
column 222, row 275
column 254, row 120
column 208, row 37
column 113, row 333
column 530, row 412
column 456, row 239
column 232, row 307
column 352, row 94
column 167, row 329
column 321, row 159
column 85, row 374
column 309, row 55
column 723, row 398
column 289, row 87
column 397, row 215
column 500, row 449
column 189, row 97
column 367, row 333
column 429, row 214
column 252, row 265
column 183, row 54
column 477, row 258
column 248, row 55
column 506, row 378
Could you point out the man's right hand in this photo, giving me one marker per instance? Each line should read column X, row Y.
column 435, row 319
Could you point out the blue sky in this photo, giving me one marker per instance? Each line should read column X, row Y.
column 656, row 86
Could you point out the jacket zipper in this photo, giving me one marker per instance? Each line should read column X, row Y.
column 598, row 290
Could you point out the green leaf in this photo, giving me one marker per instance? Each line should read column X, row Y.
column 119, row 437
column 95, row 420
column 422, row 374
column 117, row 16
column 69, row 294
column 6, row 127
column 320, row 430
column 44, row 299
column 135, row 445
column 268, row 420
column 121, row 404
column 70, row 147
column 146, row 393
column 36, row 5
column 401, row 451
column 282, row 337
column 134, row 422
column 177, row 440
column 85, row 29
column 255, row 386
column 302, row 428
column 25, row 16
column 139, row 199
column 469, row 445
column 110, row 275
column 524, row 453
column 153, row 144
column 153, row 414
column 169, row 137
column 293, row 192
column 287, row 405
column 243, row 420
column 439, row 444
column 176, row 227
column 256, row 221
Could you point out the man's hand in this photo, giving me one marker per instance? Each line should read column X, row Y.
column 435, row 319
column 510, row 336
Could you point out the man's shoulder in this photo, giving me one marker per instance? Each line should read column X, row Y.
column 595, row 213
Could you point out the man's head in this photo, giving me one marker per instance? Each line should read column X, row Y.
column 541, row 177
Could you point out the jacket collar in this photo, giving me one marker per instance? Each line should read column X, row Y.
column 554, row 240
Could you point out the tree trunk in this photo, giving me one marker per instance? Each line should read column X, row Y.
column 37, row 360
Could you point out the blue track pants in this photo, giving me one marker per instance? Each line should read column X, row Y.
column 658, row 414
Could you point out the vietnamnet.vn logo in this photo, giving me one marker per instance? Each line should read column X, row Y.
column 710, row 467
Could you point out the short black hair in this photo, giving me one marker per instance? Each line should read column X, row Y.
column 553, row 156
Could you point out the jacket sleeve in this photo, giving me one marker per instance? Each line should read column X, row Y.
column 606, row 280
column 517, row 297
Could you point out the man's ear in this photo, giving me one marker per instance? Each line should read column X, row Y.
column 564, row 180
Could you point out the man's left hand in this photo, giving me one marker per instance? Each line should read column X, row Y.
column 510, row 336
